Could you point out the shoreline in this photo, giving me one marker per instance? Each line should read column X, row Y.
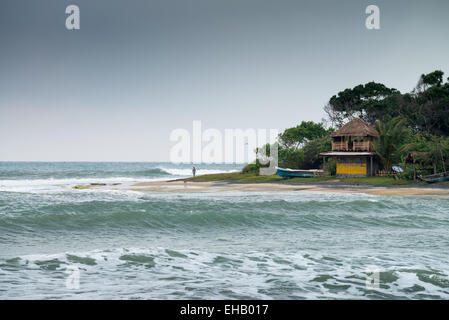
column 186, row 185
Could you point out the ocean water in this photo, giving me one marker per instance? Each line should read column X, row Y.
column 127, row 244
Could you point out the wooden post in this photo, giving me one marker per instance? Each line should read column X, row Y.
column 371, row 165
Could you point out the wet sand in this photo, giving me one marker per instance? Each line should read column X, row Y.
column 229, row 186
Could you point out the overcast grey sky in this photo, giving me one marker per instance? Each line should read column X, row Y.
column 136, row 70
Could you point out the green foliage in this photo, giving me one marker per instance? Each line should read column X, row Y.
column 228, row 176
column 375, row 181
column 432, row 79
column 308, row 157
column 299, row 147
column 360, row 101
column 312, row 150
column 426, row 109
column 331, row 167
column 252, row 178
column 252, row 168
column 265, row 149
column 434, row 151
column 408, row 173
column 85, row 186
column 392, row 134
column 257, row 178
column 290, row 157
column 299, row 135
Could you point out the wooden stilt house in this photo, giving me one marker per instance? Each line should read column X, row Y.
column 352, row 148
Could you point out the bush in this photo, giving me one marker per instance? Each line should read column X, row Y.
column 251, row 168
column 290, row 158
column 331, row 167
column 312, row 150
column 407, row 174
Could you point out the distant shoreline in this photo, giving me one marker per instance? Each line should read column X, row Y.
column 190, row 185
column 252, row 182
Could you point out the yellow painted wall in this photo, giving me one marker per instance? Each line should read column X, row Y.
column 351, row 166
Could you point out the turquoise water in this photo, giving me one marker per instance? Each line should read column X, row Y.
column 157, row 245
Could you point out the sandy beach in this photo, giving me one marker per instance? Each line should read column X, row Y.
column 229, row 186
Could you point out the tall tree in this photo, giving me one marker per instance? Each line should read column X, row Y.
column 298, row 136
column 426, row 108
column 363, row 101
column 431, row 79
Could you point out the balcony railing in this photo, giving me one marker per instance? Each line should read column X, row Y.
column 354, row 146
column 361, row 146
column 340, row 146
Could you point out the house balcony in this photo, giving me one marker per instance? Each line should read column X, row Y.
column 340, row 146
column 361, row 146
column 351, row 146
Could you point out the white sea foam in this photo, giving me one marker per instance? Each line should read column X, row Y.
column 61, row 184
column 301, row 274
column 57, row 185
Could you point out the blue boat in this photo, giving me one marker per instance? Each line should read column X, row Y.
column 289, row 173
column 439, row 177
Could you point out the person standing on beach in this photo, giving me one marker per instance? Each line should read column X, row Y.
column 193, row 171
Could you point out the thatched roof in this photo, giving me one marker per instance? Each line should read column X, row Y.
column 356, row 128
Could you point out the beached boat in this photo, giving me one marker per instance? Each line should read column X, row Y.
column 298, row 172
column 439, row 177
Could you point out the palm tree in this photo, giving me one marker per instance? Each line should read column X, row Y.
column 392, row 133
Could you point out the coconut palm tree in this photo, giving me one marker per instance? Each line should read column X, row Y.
column 392, row 133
